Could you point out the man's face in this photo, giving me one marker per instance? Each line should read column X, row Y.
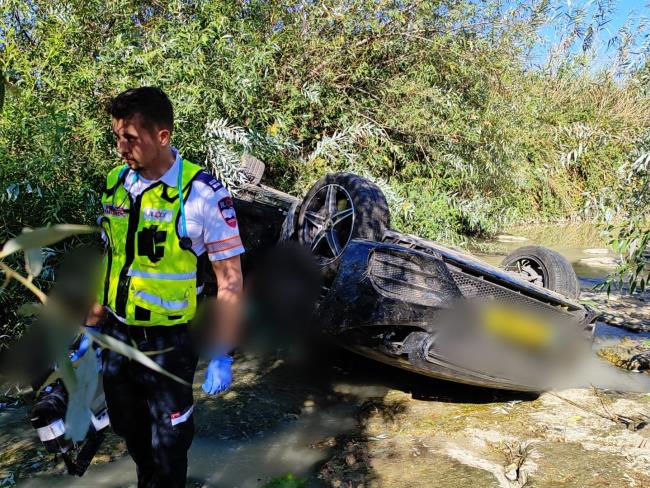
column 139, row 146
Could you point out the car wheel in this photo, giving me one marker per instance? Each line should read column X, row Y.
column 543, row 267
column 338, row 208
column 253, row 168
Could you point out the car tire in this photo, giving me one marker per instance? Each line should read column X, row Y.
column 340, row 207
column 253, row 168
column 544, row 267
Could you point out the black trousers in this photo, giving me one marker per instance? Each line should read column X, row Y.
column 151, row 411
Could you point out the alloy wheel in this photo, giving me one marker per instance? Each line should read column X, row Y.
column 328, row 223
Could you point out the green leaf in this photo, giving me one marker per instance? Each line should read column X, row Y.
column 131, row 353
column 287, row 481
column 2, row 92
column 44, row 236
column 77, row 417
column 27, row 309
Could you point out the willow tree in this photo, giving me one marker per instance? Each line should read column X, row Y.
column 440, row 101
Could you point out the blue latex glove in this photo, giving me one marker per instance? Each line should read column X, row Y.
column 84, row 344
column 218, row 376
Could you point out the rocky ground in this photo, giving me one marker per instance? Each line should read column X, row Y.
column 343, row 421
column 569, row 438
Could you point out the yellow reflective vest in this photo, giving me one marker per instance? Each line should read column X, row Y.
column 147, row 278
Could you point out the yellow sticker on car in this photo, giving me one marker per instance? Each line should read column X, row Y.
column 517, row 326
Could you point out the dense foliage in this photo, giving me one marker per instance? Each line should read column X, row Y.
column 631, row 237
column 442, row 102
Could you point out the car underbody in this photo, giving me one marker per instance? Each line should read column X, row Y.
column 407, row 301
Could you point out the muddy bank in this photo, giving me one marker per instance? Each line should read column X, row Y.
column 347, row 421
column 568, row 438
column 269, row 424
column 344, row 421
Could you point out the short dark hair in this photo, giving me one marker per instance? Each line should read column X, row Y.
column 149, row 101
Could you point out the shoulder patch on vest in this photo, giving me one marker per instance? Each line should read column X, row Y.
column 209, row 180
column 227, row 210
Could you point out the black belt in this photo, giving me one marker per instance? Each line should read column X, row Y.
column 147, row 332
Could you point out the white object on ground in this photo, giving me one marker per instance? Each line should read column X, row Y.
column 509, row 238
column 604, row 262
column 596, row 250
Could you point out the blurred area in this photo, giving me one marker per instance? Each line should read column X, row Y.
column 281, row 293
column 52, row 327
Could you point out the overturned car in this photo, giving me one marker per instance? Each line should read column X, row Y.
column 414, row 303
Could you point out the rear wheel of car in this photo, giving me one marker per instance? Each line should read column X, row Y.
column 338, row 208
column 544, row 267
column 253, row 168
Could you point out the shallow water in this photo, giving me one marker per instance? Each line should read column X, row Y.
column 570, row 240
column 609, row 331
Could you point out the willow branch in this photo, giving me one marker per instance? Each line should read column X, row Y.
column 24, row 281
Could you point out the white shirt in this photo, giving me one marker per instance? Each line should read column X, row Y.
column 209, row 214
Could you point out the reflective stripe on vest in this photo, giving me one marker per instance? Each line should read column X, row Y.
column 148, row 278
column 156, row 300
column 162, row 276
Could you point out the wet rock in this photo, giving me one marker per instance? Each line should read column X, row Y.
column 596, row 250
column 511, row 472
column 350, row 460
column 325, row 443
column 509, row 238
column 628, row 354
column 603, row 262
column 350, row 465
column 640, row 362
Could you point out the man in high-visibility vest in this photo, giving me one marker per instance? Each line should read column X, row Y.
column 162, row 216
